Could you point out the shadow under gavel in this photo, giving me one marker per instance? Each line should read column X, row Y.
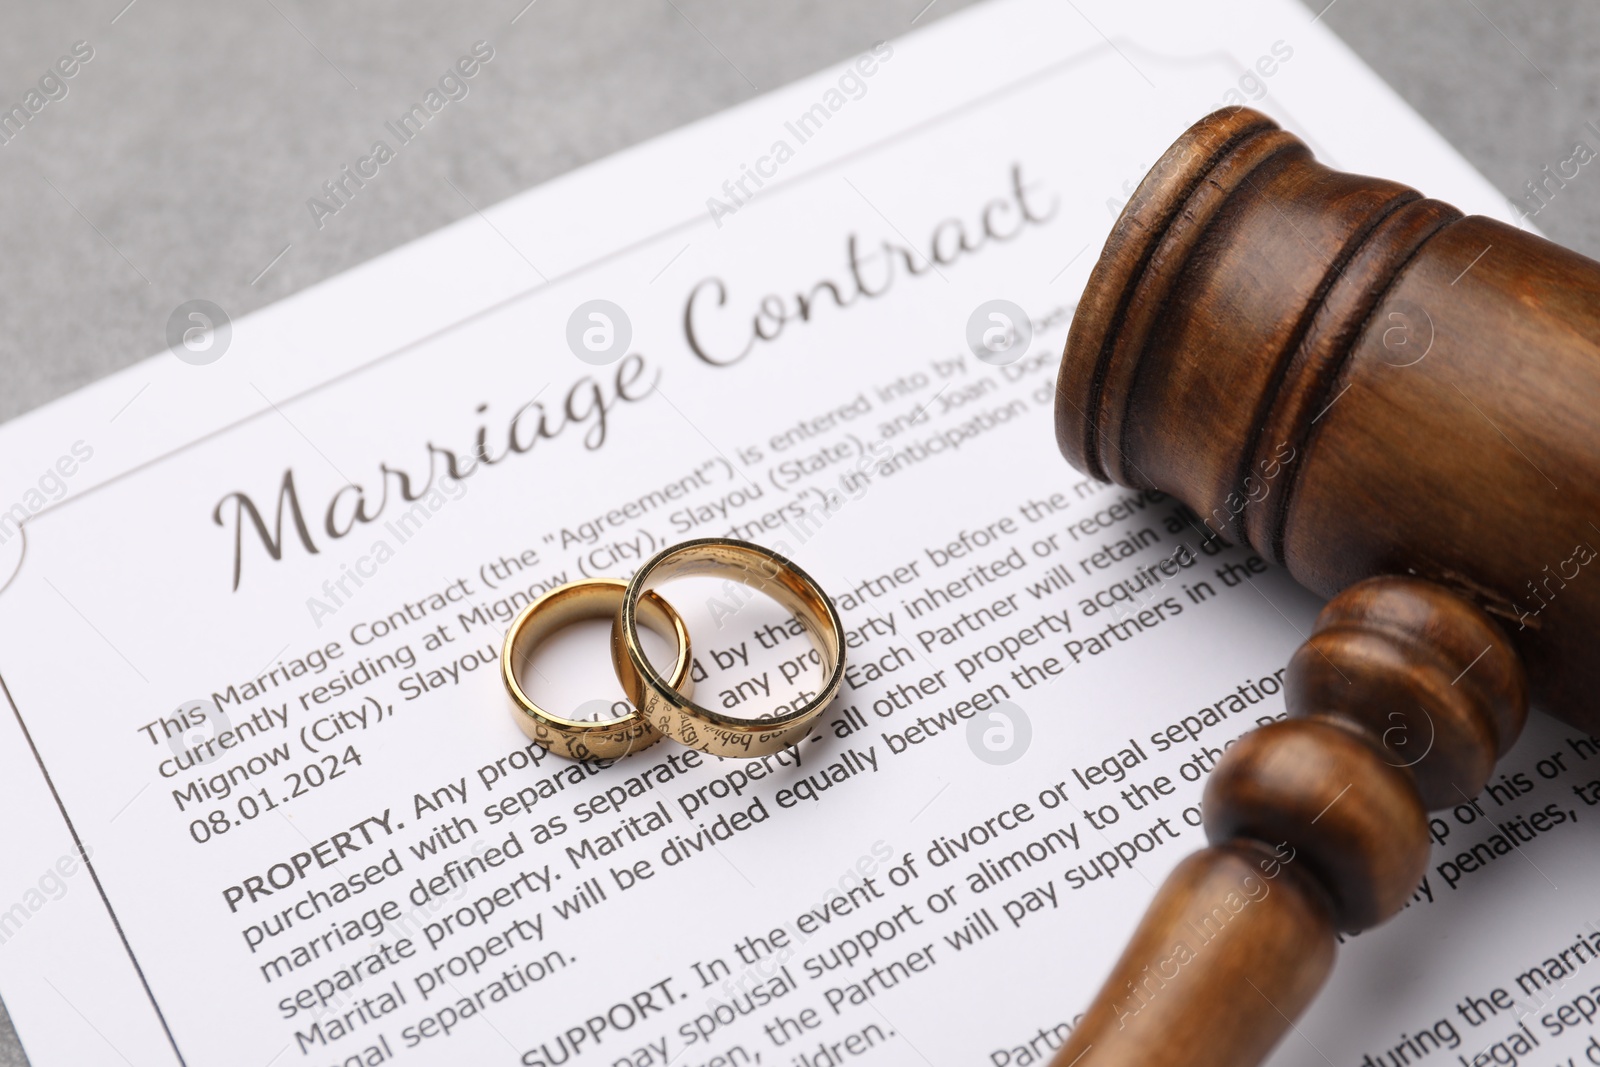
column 1401, row 405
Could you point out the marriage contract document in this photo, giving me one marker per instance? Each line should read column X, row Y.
column 264, row 800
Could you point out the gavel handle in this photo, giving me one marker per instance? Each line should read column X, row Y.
column 1400, row 702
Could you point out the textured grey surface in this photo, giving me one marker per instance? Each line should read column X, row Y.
column 10, row 1051
column 179, row 163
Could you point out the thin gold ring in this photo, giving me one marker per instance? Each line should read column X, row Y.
column 590, row 598
column 671, row 711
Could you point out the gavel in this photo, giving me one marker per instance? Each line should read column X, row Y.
column 1401, row 405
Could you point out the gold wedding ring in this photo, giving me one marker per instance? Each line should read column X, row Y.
column 592, row 598
column 672, row 712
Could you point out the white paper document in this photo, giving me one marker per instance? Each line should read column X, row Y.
column 265, row 800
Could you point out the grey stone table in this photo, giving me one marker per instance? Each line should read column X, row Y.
column 179, row 162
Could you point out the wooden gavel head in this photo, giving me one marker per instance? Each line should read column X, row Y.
column 1401, row 405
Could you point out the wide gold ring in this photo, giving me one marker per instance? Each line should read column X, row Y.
column 591, row 598
column 671, row 711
